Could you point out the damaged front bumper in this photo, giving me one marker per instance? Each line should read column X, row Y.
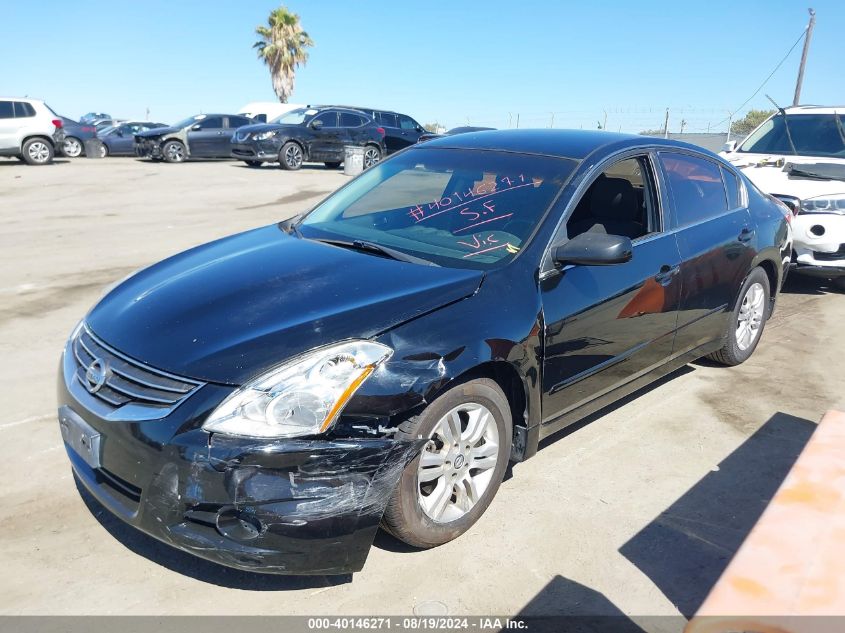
column 264, row 151
column 292, row 506
column 819, row 247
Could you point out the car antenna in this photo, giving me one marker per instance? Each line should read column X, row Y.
column 785, row 124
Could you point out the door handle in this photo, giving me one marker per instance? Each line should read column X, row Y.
column 664, row 277
column 746, row 235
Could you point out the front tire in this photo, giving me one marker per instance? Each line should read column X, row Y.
column 748, row 319
column 290, row 156
column 72, row 147
column 447, row 488
column 174, row 152
column 37, row 151
column 253, row 163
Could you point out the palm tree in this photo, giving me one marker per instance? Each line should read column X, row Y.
column 282, row 48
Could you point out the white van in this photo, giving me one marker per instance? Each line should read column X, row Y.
column 264, row 111
column 29, row 130
column 799, row 157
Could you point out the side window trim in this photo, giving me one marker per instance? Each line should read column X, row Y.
column 646, row 153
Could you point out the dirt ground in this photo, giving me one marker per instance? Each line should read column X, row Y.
column 635, row 511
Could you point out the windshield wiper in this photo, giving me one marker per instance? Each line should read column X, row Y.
column 370, row 247
column 785, row 124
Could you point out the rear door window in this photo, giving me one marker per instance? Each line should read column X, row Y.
column 350, row 119
column 7, row 110
column 696, row 185
column 733, row 189
column 407, row 123
column 238, row 121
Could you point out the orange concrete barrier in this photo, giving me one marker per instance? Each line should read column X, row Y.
column 792, row 564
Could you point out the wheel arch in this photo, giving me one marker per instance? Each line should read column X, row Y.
column 306, row 155
column 43, row 137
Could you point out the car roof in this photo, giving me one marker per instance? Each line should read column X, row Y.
column 22, row 99
column 336, row 107
column 576, row 144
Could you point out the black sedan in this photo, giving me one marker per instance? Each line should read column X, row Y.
column 267, row 400
column 317, row 134
column 198, row 136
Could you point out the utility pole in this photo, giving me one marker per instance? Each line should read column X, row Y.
column 683, row 124
column 666, row 125
column 807, row 38
column 604, row 125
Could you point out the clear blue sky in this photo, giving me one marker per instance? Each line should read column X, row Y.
column 453, row 62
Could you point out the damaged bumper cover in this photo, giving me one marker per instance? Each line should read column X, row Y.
column 293, row 506
column 266, row 150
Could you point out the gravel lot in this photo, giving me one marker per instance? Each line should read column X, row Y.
column 635, row 512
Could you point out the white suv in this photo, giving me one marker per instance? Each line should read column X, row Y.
column 798, row 155
column 29, row 130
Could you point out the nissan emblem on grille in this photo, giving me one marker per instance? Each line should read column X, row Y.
column 96, row 375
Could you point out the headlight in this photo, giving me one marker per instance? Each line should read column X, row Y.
column 824, row 204
column 263, row 136
column 301, row 397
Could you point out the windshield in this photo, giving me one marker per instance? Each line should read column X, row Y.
column 812, row 134
column 456, row 208
column 189, row 121
column 294, row 117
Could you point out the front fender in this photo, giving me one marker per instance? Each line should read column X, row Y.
column 484, row 334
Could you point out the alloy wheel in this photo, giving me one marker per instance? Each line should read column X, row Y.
column 72, row 148
column 750, row 317
column 371, row 157
column 39, row 152
column 175, row 152
column 458, row 463
column 293, row 156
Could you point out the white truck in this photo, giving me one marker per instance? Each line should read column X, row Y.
column 798, row 155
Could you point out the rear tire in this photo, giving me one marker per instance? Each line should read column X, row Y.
column 37, row 151
column 174, row 152
column 372, row 156
column 290, row 156
column 104, row 150
column 748, row 319
column 72, row 147
column 460, row 478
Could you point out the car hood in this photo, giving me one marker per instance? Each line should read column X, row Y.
column 773, row 173
column 228, row 310
column 159, row 131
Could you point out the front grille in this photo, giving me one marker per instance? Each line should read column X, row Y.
column 119, row 380
column 830, row 257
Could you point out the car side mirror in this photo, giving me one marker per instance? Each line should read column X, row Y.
column 119, row 132
column 593, row 249
column 196, row 128
column 316, row 125
column 729, row 146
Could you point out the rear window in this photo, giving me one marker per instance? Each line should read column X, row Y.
column 697, row 187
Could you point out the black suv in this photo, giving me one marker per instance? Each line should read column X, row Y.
column 400, row 130
column 315, row 134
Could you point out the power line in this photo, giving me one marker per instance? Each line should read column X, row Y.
column 780, row 63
